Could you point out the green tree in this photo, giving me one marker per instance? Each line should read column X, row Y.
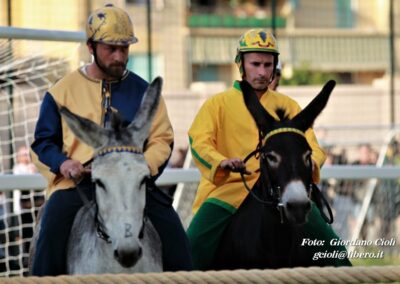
column 305, row 76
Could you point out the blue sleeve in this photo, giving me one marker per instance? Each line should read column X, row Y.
column 48, row 135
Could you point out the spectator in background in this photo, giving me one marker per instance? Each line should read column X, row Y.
column 176, row 161
column 367, row 155
column 278, row 74
column 23, row 199
column 24, row 164
column 357, row 188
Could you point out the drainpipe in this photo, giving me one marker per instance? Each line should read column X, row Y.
column 149, row 43
column 392, row 66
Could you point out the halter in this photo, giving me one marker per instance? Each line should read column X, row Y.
column 101, row 232
column 283, row 130
column 275, row 192
column 111, row 149
column 258, row 113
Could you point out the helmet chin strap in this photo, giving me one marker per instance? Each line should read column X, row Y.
column 95, row 58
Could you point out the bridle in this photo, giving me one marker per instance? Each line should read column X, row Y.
column 100, row 230
column 259, row 113
column 275, row 191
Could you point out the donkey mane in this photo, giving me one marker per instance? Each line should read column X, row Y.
column 284, row 119
column 282, row 115
column 117, row 125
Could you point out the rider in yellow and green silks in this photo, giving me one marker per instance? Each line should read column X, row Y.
column 223, row 133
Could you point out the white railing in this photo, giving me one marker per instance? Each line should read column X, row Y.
column 174, row 176
column 40, row 34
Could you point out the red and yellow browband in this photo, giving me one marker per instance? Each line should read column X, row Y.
column 111, row 149
column 283, row 130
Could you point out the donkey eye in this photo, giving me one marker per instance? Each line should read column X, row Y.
column 272, row 158
column 307, row 158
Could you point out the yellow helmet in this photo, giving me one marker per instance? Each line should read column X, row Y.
column 256, row 40
column 110, row 25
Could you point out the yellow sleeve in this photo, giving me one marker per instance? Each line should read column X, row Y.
column 318, row 154
column 202, row 138
column 159, row 144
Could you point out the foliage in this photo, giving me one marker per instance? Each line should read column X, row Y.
column 305, row 76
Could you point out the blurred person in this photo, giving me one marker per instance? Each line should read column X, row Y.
column 278, row 74
column 23, row 163
column 393, row 152
column 23, row 199
column 94, row 91
column 356, row 189
column 177, row 161
column 366, row 155
column 24, row 166
column 222, row 131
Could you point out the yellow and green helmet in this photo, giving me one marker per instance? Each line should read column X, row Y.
column 110, row 25
column 255, row 40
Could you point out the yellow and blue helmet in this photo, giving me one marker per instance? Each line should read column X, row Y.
column 256, row 40
column 110, row 25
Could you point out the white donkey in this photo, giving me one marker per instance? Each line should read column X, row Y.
column 112, row 234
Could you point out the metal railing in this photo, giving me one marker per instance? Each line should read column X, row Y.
column 9, row 182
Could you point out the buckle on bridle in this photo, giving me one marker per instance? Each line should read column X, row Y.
column 101, row 233
column 280, row 209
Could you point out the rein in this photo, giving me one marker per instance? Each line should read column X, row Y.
column 101, row 232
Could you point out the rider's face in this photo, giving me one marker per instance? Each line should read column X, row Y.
column 258, row 69
column 112, row 59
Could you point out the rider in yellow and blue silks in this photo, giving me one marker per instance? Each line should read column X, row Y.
column 94, row 91
column 222, row 134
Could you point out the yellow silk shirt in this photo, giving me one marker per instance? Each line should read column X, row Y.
column 223, row 129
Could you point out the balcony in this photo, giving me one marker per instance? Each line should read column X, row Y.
column 230, row 21
column 334, row 50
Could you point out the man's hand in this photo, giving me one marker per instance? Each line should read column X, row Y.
column 72, row 169
column 234, row 165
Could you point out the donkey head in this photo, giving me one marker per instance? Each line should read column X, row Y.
column 119, row 171
column 286, row 165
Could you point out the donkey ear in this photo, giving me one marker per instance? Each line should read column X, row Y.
column 85, row 129
column 262, row 118
column 306, row 117
column 142, row 122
